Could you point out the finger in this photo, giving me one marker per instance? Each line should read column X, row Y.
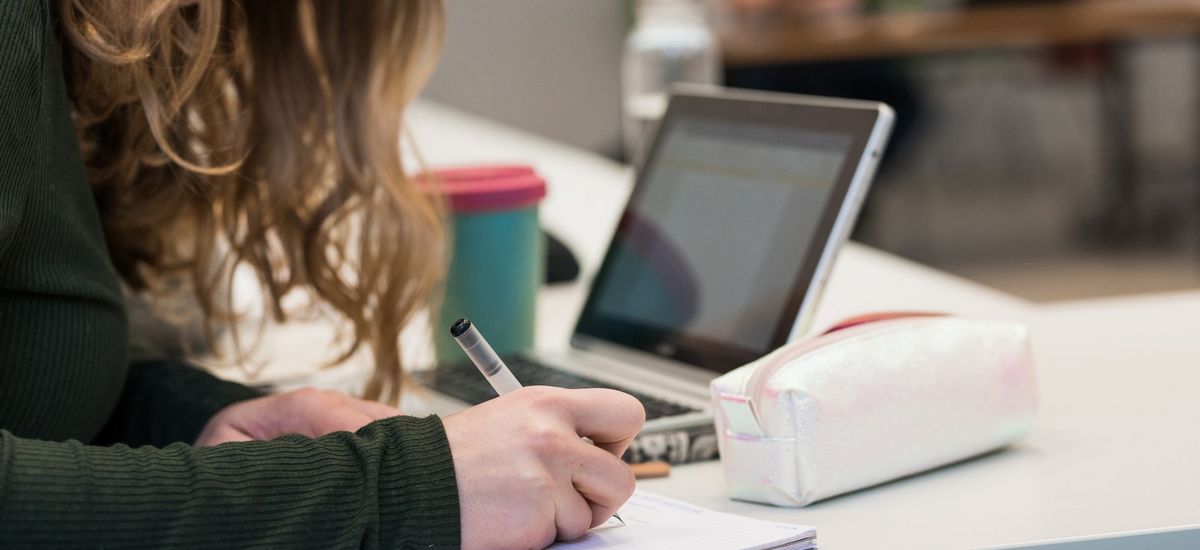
column 572, row 512
column 608, row 417
column 604, row 480
column 373, row 409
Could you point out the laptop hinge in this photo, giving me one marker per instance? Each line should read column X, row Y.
column 645, row 362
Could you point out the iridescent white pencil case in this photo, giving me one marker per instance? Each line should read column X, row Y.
column 871, row 401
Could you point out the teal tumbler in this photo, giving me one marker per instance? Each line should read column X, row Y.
column 497, row 256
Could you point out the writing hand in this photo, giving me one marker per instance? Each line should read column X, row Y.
column 525, row 478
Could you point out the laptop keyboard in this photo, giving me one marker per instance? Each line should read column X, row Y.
column 464, row 382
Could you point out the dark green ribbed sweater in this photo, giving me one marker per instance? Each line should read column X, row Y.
column 66, row 377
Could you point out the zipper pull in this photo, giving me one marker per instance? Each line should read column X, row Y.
column 740, row 417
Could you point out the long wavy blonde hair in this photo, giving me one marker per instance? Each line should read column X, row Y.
column 220, row 133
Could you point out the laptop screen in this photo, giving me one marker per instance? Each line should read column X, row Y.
column 709, row 252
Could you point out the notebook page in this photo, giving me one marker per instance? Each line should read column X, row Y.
column 660, row 523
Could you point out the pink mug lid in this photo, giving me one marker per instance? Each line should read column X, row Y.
column 490, row 187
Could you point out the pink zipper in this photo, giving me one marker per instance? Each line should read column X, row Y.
column 844, row 330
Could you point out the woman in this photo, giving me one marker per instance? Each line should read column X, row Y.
column 153, row 141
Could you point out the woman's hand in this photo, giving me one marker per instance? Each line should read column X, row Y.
column 309, row 412
column 524, row 475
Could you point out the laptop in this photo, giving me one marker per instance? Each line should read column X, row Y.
column 720, row 255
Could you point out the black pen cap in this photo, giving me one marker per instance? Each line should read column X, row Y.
column 460, row 327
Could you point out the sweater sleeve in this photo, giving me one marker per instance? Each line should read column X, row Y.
column 166, row 401
column 389, row 485
column 20, row 63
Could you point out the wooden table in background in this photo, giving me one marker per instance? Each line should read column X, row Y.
column 782, row 41
column 773, row 41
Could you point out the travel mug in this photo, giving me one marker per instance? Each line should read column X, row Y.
column 497, row 256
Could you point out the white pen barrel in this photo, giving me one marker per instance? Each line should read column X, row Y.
column 504, row 381
column 479, row 351
column 485, row 358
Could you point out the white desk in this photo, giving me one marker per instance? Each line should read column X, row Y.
column 1115, row 446
column 1114, row 449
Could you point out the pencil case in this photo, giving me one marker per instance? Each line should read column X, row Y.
column 872, row 400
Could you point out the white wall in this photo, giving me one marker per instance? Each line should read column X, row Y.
column 549, row 66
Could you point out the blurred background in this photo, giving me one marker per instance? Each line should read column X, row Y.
column 1047, row 148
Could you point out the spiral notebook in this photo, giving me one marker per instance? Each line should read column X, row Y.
column 656, row 522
